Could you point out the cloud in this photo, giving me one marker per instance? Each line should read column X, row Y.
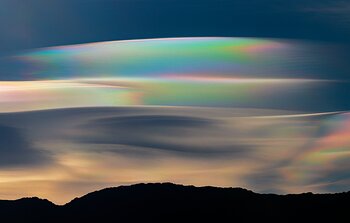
column 339, row 10
column 331, row 7
column 17, row 151
column 139, row 135
column 334, row 177
column 267, row 181
column 251, row 148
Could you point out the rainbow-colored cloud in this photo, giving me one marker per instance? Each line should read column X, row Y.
column 248, row 112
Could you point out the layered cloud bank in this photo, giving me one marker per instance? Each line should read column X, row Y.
column 60, row 154
column 215, row 72
column 269, row 115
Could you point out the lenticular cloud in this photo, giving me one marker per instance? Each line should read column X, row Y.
column 211, row 72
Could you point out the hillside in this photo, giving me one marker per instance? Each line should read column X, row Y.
column 168, row 202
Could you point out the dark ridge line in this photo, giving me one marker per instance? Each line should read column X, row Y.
column 226, row 189
column 173, row 203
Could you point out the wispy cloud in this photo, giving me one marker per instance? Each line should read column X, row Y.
column 147, row 135
column 98, row 147
column 331, row 7
column 18, row 151
column 339, row 10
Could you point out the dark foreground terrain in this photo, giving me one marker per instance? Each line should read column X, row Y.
column 175, row 203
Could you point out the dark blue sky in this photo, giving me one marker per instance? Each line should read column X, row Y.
column 29, row 24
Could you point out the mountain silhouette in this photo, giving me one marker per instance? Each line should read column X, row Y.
column 167, row 203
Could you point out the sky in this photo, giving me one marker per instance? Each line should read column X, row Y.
column 40, row 23
column 249, row 94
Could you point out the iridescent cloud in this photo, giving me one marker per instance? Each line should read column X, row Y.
column 85, row 149
column 175, row 91
column 246, row 112
column 223, row 72
column 242, row 57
